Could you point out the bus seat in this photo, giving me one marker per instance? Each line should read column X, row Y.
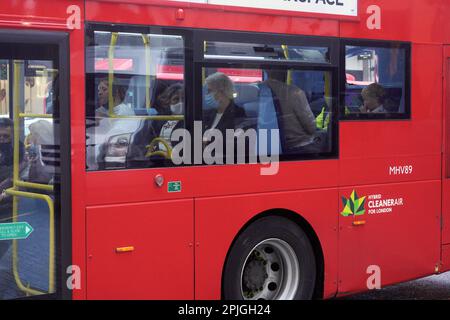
column 247, row 98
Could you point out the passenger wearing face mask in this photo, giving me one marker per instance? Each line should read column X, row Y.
column 174, row 97
column 219, row 110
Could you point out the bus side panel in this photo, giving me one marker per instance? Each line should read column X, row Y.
column 396, row 237
column 202, row 181
column 446, row 155
column 208, row 19
column 413, row 20
column 384, row 151
column 37, row 13
column 219, row 220
column 141, row 251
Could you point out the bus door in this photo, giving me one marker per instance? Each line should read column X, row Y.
column 34, row 155
column 446, row 180
column 140, row 210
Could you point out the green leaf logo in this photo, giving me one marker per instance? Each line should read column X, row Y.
column 354, row 206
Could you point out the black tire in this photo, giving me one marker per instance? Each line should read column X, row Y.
column 264, row 229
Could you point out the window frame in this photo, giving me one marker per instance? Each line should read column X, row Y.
column 387, row 44
column 59, row 44
column 201, row 62
column 91, row 91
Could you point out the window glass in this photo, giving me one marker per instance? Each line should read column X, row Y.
column 135, row 99
column 29, row 146
column 265, row 52
column 286, row 112
column 375, row 80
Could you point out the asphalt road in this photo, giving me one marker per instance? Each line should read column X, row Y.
column 431, row 288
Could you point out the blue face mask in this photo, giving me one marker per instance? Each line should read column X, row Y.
column 209, row 102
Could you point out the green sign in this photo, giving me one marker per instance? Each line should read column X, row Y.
column 15, row 231
column 174, row 186
column 354, row 206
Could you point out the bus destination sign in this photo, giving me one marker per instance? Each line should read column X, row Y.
column 333, row 7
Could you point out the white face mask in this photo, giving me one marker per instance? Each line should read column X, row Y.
column 177, row 108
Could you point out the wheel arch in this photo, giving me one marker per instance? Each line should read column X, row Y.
column 306, row 227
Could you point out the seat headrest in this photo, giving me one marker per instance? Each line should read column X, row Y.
column 246, row 93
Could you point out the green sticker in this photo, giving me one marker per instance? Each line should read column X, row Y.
column 174, row 186
column 15, row 231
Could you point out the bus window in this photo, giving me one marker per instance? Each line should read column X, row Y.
column 376, row 81
column 296, row 105
column 135, row 98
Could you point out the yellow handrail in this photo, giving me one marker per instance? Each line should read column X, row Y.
column 16, row 119
column 15, row 193
column 51, row 255
column 35, row 115
column 31, row 185
column 147, row 70
column 286, row 55
column 166, row 154
column 114, row 37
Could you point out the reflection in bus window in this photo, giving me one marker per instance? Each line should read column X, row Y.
column 375, row 80
column 296, row 104
column 265, row 52
column 135, row 99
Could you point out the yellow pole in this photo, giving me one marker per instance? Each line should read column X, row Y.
column 146, row 40
column 112, row 46
column 286, row 55
column 16, row 118
column 203, row 69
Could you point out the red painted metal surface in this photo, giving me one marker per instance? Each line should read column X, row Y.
column 200, row 17
column 446, row 153
column 368, row 149
column 413, row 20
column 161, row 264
column 226, row 197
column 404, row 243
column 219, row 219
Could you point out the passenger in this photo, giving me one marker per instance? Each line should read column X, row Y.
column 162, row 103
column 172, row 100
column 219, row 110
column 165, row 97
column 119, row 93
column 41, row 133
column 374, row 96
column 297, row 120
column 6, row 173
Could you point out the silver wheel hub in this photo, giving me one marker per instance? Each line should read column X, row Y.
column 270, row 272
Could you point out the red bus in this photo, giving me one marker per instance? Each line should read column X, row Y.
column 349, row 192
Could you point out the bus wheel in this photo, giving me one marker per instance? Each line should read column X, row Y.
column 271, row 260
